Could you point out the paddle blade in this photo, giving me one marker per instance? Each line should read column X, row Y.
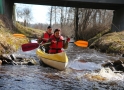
column 81, row 43
column 19, row 35
column 29, row 46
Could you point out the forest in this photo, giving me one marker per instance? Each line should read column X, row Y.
column 78, row 23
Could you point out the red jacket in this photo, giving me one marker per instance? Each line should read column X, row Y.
column 46, row 37
column 56, row 47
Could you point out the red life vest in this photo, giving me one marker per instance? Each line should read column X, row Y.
column 56, row 47
column 46, row 37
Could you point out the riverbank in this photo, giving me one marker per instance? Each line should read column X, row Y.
column 9, row 43
column 110, row 43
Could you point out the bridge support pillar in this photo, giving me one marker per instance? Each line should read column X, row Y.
column 1, row 6
column 118, row 21
column 8, row 8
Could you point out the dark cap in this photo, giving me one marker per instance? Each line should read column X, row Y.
column 49, row 27
column 56, row 30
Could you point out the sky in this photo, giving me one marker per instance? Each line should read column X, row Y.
column 39, row 13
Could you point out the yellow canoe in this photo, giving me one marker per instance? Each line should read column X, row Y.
column 58, row 61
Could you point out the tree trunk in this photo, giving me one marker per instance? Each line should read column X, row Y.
column 51, row 15
column 62, row 17
column 76, row 24
column 55, row 15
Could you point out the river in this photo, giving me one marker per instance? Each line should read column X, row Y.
column 84, row 72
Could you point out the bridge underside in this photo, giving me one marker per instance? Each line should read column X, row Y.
column 97, row 4
column 117, row 5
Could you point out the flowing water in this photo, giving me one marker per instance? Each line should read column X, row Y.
column 84, row 72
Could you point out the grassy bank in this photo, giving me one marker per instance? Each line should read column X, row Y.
column 10, row 43
column 29, row 32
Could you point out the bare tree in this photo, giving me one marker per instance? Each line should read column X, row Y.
column 76, row 19
column 78, row 22
column 55, row 14
column 51, row 15
column 25, row 14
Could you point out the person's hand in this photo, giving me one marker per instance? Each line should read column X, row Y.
column 39, row 40
column 45, row 39
column 53, row 41
column 68, row 39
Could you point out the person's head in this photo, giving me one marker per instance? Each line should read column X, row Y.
column 57, row 33
column 49, row 29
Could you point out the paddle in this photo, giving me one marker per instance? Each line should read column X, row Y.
column 81, row 43
column 31, row 46
column 19, row 35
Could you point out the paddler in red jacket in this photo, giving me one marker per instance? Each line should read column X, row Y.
column 45, row 37
column 57, row 42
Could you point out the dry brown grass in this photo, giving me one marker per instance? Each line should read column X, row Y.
column 9, row 43
column 29, row 32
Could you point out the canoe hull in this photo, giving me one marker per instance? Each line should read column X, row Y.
column 59, row 63
column 54, row 64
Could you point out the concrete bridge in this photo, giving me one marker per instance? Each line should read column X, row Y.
column 6, row 7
